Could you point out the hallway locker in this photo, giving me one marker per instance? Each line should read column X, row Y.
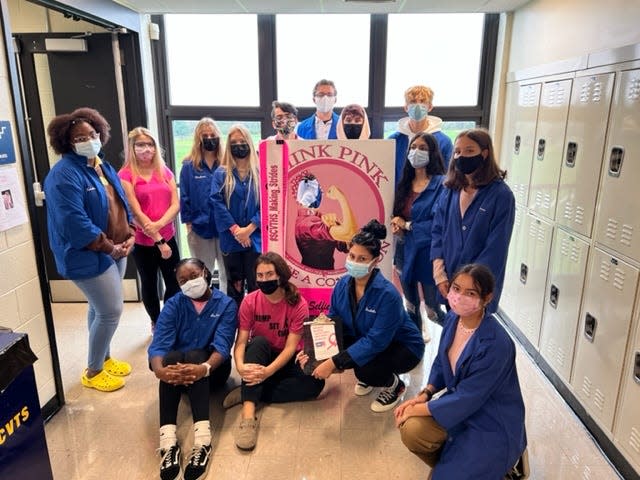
column 582, row 161
column 617, row 219
column 508, row 299
column 603, row 333
column 561, row 313
column 549, row 146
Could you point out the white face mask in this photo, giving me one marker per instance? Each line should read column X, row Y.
column 325, row 104
column 418, row 158
column 89, row 149
column 194, row 288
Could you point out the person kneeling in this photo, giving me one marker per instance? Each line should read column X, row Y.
column 191, row 352
column 475, row 430
column 270, row 332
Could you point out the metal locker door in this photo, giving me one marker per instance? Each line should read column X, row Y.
column 603, row 333
column 547, row 157
column 581, row 165
column 626, row 429
column 517, row 150
column 617, row 219
column 533, row 277
column 512, row 271
column 561, row 314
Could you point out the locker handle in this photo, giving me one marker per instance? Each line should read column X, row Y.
column 636, row 368
column 572, row 150
column 524, row 271
column 615, row 161
column 516, row 145
column 541, row 147
column 590, row 325
column 553, row 296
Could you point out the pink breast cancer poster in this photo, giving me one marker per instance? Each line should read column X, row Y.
column 315, row 195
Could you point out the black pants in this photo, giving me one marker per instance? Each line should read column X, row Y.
column 198, row 391
column 148, row 261
column 240, row 267
column 289, row 384
column 379, row 372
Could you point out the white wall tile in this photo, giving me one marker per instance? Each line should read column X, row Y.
column 29, row 300
column 26, row 17
column 17, row 266
column 37, row 331
column 18, row 234
column 43, row 368
column 10, row 316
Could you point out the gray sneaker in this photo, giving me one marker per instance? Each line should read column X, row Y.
column 247, row 434
column 233, row 398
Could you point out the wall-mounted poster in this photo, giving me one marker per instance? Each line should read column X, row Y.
column 315, row 196
column 7, row 152
column 12, row 206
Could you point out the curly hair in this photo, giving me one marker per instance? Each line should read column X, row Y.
column 59, row 129
column 370, row 237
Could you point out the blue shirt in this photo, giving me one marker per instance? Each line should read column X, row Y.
column 181, row 328
column 243, row 209
column 77, row 212
column 482, row 236
column 380, row 319
column 195, row 190
column 307, row 128
column 482, row 409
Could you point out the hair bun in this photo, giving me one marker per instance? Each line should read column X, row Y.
column 376, row 229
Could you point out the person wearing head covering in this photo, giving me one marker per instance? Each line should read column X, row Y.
column 353, row 123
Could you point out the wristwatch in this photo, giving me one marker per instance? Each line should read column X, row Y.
column 407, row 225
column 208, row 365
column 162, row 241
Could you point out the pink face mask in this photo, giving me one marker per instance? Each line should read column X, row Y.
column 146, row 156
column 463, row 305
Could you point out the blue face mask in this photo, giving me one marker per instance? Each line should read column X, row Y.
column 357, row 270
column 417, row 111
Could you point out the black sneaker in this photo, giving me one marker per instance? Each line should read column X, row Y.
column 198, row 464
column 170, row 468
column 388, row 398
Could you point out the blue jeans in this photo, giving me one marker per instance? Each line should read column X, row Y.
column 411, row 295
column 105, row 297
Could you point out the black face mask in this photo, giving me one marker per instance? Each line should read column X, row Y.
column 352, row 130
column 210, row 144
column 268, row 286
column 240, row 150
column 468, row 165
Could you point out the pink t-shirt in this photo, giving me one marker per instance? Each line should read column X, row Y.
column 154, row 197
column 272, row 321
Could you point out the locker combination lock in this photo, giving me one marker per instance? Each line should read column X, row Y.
column 553, row 296
column 524, row 270
column 636, row 368
column 572, row 150
column 590, row 325
column 541, row 146
column 516, row 145
column 615, row 161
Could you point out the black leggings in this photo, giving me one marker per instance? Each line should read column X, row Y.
column 289, row 384
column 148, row 261
column 379, row 372
column 198, row 391
column 240, row 267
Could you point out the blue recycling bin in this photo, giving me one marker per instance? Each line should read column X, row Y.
column 23, row 447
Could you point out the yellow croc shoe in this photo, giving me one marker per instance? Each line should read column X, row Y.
column 118, row 368
column 102, row 381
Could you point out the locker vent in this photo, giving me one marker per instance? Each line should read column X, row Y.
column 533, row 230
column 529, row 97
column 546, row 203
column 565, row 247
column 575, row 253
column 634, row 439
column 542, row 232
column 568, row 211
column 561, row 356
column 598, row 399
column 612, row 229
column 625, row 234
column 605, row 270
column 634, row 89
column 618, row 279
column 597, row 92
column 585, row 92
column 586, row 387
column 579, row 215
column 555, row 95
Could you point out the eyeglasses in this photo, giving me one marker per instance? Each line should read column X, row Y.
column 143, row 145
column 85, row 138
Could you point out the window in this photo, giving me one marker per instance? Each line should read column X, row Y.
column 312, row 47
column 441, row 51
column 451, row 129
column 212, row 59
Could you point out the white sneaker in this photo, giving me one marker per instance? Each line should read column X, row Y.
column 388, row 398
column 362, row 389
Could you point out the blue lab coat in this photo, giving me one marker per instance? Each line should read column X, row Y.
column 195, row 190
column 306, row 129
column 482, row 409
column 482, row 236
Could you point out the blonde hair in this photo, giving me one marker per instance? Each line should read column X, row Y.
column 196, row 155
column 418, row 94
column 131, row 161
column 229, row 163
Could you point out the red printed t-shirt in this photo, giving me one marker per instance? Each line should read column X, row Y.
column 154, row 197
column 272, row 321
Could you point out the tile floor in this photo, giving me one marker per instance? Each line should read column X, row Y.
column 114, row 435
